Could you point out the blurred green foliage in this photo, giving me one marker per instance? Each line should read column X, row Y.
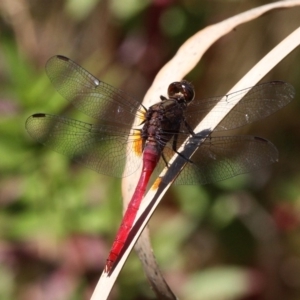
column 58, row 219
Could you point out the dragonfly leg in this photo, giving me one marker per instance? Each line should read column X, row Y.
column 174, row 148
column 165, row 160
column 189, row 128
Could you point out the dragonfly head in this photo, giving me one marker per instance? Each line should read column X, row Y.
column 182, row 91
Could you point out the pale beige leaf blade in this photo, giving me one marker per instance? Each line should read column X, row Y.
column 185, row 59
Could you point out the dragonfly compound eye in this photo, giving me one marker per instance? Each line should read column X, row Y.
column 181, row 89
column 188, row 91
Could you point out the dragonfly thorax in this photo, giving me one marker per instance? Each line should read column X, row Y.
column 162, row 121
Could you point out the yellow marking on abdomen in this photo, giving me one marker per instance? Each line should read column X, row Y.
column 156, row 184
column 137, row 144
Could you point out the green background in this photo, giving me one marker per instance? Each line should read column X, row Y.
column 237, row 239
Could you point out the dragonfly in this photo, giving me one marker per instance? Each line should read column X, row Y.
column 127, row 131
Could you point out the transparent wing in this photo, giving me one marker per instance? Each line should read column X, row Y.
column 90, row 95
column 101, row 148
column 220, row 158
column 258, row 102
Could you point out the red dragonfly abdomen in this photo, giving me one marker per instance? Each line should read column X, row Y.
column 151, row 157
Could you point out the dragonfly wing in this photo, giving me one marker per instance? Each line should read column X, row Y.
column 90, row 95
column 258, row 102
column 99, row 147
column 220, row 158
